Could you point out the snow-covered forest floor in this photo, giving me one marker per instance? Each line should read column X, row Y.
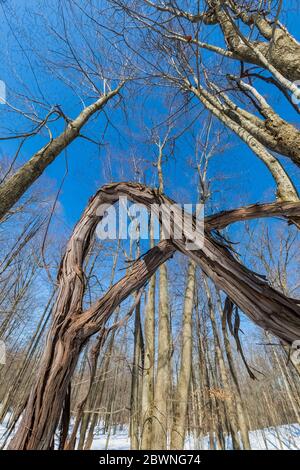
column 285, row 437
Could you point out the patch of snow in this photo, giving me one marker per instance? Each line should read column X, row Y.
column 285, row 437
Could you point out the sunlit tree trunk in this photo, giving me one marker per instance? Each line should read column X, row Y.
column 160, row 426
column 183, row 386
column 14, row 187
column 149, row 363
column 163, row 373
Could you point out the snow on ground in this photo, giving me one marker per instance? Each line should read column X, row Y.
column 118, row 441
column 285, row 437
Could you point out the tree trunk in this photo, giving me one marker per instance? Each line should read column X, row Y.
column 183, row 385
column 148, row 372
column 135, row 383
column 163, row 373
column 241, row 412
column 14, row 188
column 229, row 403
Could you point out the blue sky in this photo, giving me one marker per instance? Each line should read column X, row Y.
column 238, row 177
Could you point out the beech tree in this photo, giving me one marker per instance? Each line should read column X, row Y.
column 172, row 34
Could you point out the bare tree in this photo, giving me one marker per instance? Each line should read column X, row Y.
column 172, row 35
